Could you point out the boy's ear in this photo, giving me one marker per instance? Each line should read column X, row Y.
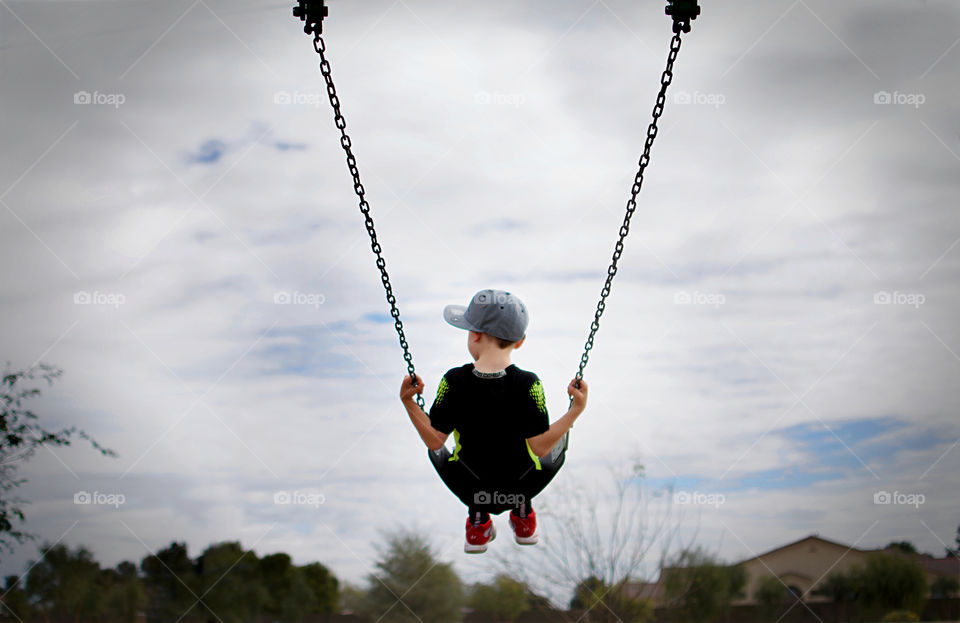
column 520, row 343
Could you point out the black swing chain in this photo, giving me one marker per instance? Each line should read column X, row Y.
column 313, row 12
column 347, row 145
column 652, row 130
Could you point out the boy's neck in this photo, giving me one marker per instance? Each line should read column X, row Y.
column 492, row 360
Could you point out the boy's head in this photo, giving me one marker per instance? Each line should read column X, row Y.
column 499, row 315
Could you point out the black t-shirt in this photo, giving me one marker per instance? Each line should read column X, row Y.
column 493, row 418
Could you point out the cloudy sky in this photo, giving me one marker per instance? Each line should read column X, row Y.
column 778, row 347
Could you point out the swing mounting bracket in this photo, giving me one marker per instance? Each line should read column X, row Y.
column 312, row 13
column 683, row 12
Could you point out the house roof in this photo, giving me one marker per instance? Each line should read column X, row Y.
column 811, row 537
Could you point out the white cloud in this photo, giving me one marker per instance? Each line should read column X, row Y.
column 547, row 151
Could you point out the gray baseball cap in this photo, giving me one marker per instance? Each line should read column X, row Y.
column 494, row 312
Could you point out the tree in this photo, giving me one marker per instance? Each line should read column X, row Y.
column 289, row 594
column 944, row 586
column 700, row 587
column 905, row 547
column 886, row 583
column 352, row 598
column 230, row 583
column 588, row 593
column 602, row 529
column 839, row 587
column 324, row 587
column 771, row 595
column 14, row 601
column 299, row 599
column 504, row 599
column 65, row 584
column 411, row 585
column 955, row 552
column 171, row 584
column 20, row 435
column 124, row 593
column 602, row 602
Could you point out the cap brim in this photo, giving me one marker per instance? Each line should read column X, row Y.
column 456, row 315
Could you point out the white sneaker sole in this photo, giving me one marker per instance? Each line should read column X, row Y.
column 526, row 540
column 479, row 549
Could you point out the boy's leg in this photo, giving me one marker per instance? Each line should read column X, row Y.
column 474, row 494
column 523, row 509
column 479, row 526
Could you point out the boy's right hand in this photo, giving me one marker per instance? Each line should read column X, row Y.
column 579, row 396
column 409, row 389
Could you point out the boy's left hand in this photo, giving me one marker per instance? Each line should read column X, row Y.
column 408, row 389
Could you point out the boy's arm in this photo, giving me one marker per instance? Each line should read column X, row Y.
column 543, row 443
column 433, row 438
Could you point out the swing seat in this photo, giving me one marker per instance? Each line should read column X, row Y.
column 465, row 486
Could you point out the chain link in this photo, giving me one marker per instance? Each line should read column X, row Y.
column 665, row 79
column 347, row 145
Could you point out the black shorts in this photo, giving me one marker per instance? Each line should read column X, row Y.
column 495, row 497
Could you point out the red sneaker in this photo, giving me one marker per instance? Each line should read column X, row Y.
column 479, row 536
column 524, row 528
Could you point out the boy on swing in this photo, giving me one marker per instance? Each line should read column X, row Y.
column 498, row 418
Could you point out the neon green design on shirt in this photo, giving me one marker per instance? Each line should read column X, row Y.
column 456, row 449
column 442, row 389
column 536, row 392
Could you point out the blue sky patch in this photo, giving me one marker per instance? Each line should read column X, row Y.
column 210, row 152
column 834, row 453
column 379, row 318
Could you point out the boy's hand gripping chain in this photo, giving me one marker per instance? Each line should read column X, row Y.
column 312, row 12
column 682, row 11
